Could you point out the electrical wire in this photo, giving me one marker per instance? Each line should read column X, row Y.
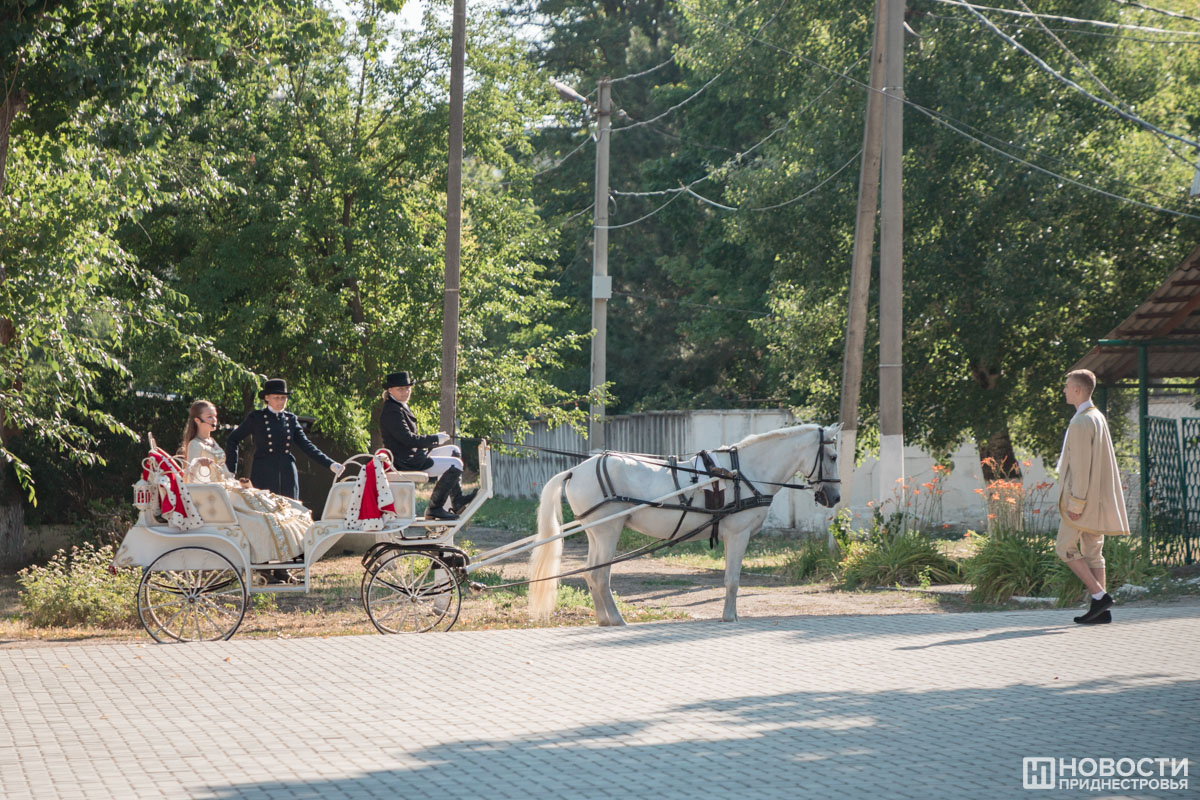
column 655, row 68
column 1064, row 79
column 1164, row 12
column 1096, row 22
column 1099, row 82
column 739, row 156
column 639, row 219
column 1077, row 31
column 692, row 305
column 796, row 199
column 935, row 116
column 767, row 23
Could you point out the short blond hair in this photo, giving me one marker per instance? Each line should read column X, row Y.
column 1084, row 378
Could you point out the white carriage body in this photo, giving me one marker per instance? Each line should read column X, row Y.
column 149, row 538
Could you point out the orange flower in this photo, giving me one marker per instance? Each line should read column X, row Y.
column 991, row 516
column 979, row 491
column 1037, row 511
column 1027, row 463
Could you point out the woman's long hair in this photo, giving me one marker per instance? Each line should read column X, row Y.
column 189, row 430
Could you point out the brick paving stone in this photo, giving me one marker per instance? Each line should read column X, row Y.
column 922, row 706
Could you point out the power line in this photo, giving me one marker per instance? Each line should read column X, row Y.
column 692, row 305
column 711, row 81
column 1164, row 12
column 739, row 156
column 934, row 115
column 1097, row 81
column 655, row 68
column 1097, row 22
column 1064, row 79
column 796, row 199
column 1077, row 31
column 642, row 218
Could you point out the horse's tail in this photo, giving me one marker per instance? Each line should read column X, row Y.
column 545, row 559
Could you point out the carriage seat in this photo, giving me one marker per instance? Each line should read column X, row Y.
column 337, row 504
column 211, row 502
column 412, row 477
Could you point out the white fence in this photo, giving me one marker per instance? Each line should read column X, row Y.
column 685, row 432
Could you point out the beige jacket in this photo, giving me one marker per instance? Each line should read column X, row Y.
column 1088, row 480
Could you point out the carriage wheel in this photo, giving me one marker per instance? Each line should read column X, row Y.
column 179, row 603
column 412, row 592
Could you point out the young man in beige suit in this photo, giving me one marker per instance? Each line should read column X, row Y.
column 1090, row 501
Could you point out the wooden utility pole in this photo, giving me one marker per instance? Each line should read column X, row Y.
column 448, row 409
column 860, row 262
column 891, row 273
column 601, row 281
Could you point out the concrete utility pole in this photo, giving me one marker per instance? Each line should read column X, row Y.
column 448, row 408
column 601, row 281
column 891, row 272
column 860, row 262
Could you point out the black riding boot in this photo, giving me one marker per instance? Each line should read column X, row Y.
column 458, row 500
column 441, row 492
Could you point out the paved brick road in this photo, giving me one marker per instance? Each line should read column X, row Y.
column 920, row 706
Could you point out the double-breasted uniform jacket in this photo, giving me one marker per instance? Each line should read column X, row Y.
column 275, row 435
column 398, row 427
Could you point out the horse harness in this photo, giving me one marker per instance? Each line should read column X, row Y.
column 714, row 498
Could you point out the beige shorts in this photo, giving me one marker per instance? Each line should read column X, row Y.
column 1073, row 544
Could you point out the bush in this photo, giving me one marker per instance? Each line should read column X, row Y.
column 75, row 588
column 902, row 558
column 1010, row 565
column 815, row 560
column 1126, row 560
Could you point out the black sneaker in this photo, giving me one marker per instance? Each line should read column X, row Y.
column 1097, row 608
column 1104, row 618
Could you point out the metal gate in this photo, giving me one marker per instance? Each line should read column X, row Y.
column 1174, row 486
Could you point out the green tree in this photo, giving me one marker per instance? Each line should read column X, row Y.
column 325, row 265
column 91, row 90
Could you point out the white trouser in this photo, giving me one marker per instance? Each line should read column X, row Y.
column 444, row 457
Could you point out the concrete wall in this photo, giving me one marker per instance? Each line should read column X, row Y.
column 685, row 432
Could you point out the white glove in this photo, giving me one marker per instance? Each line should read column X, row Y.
column 336, row 468
column 443, row 437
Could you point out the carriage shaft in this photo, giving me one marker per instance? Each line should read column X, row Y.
column 571, row 528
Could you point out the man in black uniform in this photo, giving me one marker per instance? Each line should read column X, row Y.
column 276, row 431
column 411, row 451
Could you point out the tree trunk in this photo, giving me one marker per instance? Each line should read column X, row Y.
column 997, row 457
column 12, row 522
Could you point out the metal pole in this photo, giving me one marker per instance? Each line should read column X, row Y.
column 448, row 409
column 860, row 262
column 601, row 281
column 1144, row 441
column 891, row 251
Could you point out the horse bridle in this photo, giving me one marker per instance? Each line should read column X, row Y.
column 819, row 467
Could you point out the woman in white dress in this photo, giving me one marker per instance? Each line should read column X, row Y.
column 274, row 525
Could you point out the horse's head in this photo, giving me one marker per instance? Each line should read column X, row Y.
column 824, row 475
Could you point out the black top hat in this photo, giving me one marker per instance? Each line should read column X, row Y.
column 397, row 379
column 273, row 386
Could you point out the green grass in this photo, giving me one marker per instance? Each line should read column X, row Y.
column 1011, row 565
column 512, row 514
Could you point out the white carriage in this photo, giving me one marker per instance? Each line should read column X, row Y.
column 197, row 577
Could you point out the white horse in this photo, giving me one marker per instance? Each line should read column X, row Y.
column 762, row 460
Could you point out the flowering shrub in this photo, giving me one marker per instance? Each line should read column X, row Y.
column 75, row 588
column 1014, row 507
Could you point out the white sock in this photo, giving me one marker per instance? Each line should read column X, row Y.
column 1098, row 596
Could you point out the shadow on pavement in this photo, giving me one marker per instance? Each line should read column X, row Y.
column 960, row 743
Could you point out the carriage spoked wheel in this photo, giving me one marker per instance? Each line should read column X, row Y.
column 412, row 592
column 191, row 594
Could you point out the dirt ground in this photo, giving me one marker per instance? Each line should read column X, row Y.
column 666, row 586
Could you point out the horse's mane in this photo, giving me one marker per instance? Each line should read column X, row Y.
column 778, row 433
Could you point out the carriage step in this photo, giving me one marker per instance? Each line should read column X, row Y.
column 278, row 588
column 283, row 565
